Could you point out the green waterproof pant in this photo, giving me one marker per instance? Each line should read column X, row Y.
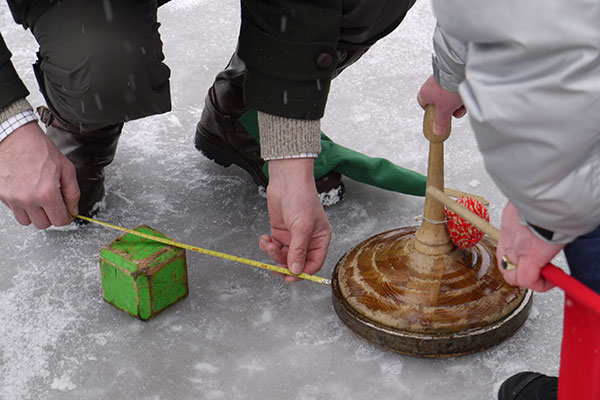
column 377, row 172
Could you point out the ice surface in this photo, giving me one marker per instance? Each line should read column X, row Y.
column 242, row 333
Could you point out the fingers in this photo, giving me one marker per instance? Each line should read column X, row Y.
column 70, row 188
column 526, row 275
column 421, row 101
column 460, row 112
column 443, row 118
column 442, row 122
column 48, row 210
column 278, row 252
column 39, row 218
column 317, row 252
column 274, row 249
column 38, row 183
column 300, row 238
column 525, row 250
column 309, row 258
column 61, row 206
column 52, row 206
column 447, row 104
column 34, row 215
column 21, row 216
column 297, row 217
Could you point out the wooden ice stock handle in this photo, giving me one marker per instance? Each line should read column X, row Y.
column 575, row 289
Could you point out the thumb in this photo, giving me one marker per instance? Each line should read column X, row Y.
column 442, row 122
column 298, row 250
column 69, row 188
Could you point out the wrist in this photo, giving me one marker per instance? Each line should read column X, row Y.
column 291, row 171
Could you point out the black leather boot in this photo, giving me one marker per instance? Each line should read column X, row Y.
column 529, row 386
column 90, row 152
column 221, row 138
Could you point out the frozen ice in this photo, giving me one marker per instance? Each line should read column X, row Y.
column 242, row 333
column 63, row 383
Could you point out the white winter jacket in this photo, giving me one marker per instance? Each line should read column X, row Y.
column 532, row 89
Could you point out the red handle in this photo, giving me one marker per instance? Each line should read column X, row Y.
column 575, row 289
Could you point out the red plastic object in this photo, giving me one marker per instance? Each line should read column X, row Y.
column 579, row 376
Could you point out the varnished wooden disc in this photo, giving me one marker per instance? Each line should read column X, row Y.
column 429, row 305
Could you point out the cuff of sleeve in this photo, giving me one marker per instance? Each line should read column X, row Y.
column 282, row 137
column 444, row 79
column 15, row 121
column 546, row 235
column 15, row 108
column 302, row 155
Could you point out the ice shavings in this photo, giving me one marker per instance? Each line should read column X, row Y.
column 320, row 332
column 329, row 198
column 63, row 383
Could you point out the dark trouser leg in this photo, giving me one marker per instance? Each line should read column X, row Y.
column 223, row 139
column 583, row 257
column 100, row 64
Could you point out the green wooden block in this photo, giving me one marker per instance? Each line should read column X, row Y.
column 141, row 276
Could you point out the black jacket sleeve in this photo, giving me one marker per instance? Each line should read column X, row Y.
column 289, row 47
column 11, row 86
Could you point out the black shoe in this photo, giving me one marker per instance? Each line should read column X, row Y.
column 529, row 386
column 221, row 137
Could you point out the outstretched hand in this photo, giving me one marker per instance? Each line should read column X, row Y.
column 524, row 249
column 447, row 104
column 37, row 182
column 300, row 232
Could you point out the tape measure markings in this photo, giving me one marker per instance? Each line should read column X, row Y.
column 230, row 257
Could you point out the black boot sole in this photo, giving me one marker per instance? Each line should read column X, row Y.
column 213, row 148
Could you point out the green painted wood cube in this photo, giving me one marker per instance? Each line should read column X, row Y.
column 143, row 277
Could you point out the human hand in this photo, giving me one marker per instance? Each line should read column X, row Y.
column 37, row 182
column 524, row 249
column 447, row 104
column 300, row 232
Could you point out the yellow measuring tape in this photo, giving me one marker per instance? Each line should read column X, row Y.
column 210, row 252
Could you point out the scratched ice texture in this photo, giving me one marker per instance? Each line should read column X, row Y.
column 242, row 333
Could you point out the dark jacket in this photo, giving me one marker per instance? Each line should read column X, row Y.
column 289, row 47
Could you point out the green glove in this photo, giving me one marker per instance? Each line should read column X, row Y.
column 377, row 172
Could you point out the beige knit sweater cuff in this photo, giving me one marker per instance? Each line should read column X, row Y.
column 283, row 137
column 13, row 109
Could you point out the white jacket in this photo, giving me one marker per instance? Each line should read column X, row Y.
column 532, row 90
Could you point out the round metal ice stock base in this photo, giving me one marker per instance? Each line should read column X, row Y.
column 456, row 304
